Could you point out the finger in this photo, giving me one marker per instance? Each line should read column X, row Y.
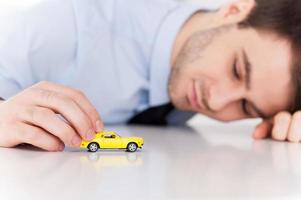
column 262, row 130
column 281, row 126
column 294, row 133
column 50, row 122
column 7, row 139
column 39, row 138
column 78, row 97
column 67, row 108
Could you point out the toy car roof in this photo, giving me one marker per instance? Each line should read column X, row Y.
column 106, row 132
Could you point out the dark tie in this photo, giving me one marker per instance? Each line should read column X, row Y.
column 153, row 116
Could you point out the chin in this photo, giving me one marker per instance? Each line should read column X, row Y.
column 181, row 104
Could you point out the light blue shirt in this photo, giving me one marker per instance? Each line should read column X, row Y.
column 116, row 51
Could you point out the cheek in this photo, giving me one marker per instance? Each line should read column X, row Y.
column 182, row 77
column 179, row 80
column 230, row 113
column 216, row 66
column 211, row 66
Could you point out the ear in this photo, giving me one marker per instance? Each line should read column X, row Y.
column 235, row 12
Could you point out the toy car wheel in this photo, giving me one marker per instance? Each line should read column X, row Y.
column 132, row 147
column 93, row 147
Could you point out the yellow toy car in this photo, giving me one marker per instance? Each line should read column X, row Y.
column 111, row 140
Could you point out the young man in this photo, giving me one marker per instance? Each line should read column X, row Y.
column 117, row 59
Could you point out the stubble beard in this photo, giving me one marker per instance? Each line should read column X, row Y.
column 192, row 51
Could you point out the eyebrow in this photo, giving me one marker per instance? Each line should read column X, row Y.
column 248, row 70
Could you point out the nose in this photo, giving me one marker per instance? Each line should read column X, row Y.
column 222, row 97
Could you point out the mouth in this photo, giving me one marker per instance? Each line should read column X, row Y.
column 194, row 98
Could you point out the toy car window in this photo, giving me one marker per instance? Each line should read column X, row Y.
column 109, row 136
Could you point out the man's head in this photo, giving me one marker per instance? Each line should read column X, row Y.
column 243, row 64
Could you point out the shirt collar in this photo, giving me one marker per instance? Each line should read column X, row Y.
column 160, row 60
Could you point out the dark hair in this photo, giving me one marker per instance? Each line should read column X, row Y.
column 282, row 17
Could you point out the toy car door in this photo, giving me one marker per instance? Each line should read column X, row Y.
column 111, row 141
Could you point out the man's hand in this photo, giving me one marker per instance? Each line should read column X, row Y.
column 283, row 126
column 48, row 116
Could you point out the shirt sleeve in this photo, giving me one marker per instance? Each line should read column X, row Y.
column 36, row 41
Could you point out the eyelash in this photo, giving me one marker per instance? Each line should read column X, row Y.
column 235, row 72
column 244, row 106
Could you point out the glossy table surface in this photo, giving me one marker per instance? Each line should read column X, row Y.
column 206, row 161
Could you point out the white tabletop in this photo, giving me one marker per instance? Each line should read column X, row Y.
column 204, row 162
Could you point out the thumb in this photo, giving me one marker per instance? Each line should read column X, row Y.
column 263, row 129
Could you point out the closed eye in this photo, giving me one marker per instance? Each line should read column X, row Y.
column 244, row 107
column 235, row 70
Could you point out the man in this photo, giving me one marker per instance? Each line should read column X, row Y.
column 63, row 64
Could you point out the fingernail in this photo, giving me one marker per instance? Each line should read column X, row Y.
column 90, row 135
column 99, row 125
column 76, row 141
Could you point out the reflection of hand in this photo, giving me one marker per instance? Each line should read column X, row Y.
column 285, row 157
column 32, row 117
column 281, row 127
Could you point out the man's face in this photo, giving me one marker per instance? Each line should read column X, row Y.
column 231, row 73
